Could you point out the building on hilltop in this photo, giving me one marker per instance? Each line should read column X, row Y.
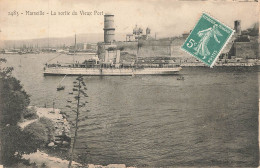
column 138, row 34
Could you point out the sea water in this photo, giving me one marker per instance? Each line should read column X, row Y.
column 208, row 119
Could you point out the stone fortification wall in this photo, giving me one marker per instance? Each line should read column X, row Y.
column 172, row 47
column 149, row 48
column 246, row 50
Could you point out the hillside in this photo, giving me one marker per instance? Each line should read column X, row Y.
column 55, row 42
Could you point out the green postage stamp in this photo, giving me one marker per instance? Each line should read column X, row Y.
column 207, row 39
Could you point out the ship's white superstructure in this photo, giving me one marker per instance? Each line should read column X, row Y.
column 110, row 71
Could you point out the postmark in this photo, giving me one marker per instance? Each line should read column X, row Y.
column 207, row 39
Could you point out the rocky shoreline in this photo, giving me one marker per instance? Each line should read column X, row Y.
column 61, row 125
column 40, row 158
column 61, row 139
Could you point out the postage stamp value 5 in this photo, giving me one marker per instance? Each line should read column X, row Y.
column 207, row 39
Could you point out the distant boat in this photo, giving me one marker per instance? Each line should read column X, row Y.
column 60, row 88
column 180, row 78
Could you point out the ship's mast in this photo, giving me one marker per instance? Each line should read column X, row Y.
column 136, row 58
column 74, row 50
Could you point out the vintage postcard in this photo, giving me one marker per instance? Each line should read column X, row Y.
column 140, row 83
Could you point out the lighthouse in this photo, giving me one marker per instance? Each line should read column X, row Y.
column 109, row 29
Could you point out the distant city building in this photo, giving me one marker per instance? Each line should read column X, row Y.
column 84, row 46
column 130, row 37
column 148, row 31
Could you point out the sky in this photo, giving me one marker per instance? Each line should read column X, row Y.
column 164, row 17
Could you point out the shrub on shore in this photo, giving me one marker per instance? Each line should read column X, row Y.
column 43, row 130
column 30, row 113
column 14, row 100
column 15, row 143
column 27, row 164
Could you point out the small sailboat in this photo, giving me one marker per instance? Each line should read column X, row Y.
column 60, row 87
column 180, row 78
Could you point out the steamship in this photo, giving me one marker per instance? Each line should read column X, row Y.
column 110, row 71
column 110, row 65
column 94, row 67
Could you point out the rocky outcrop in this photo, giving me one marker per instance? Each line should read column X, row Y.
column 61, row 125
